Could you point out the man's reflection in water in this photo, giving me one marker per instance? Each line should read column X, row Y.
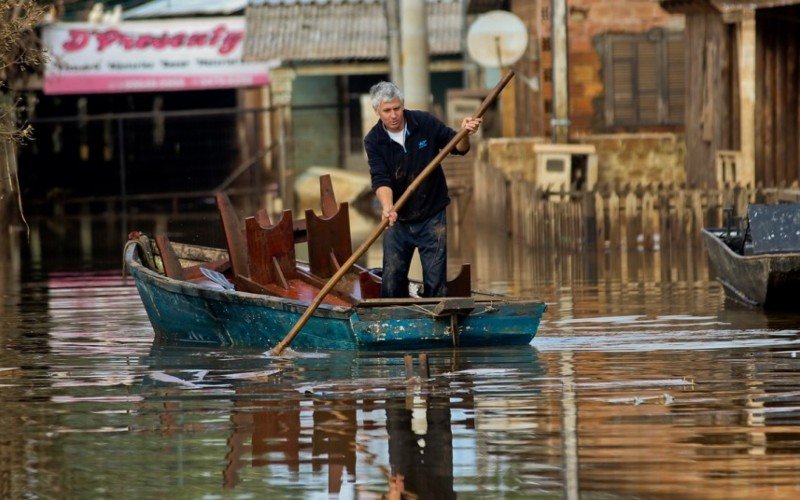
column 419, row 429
column 420, row 443
column 420, row 448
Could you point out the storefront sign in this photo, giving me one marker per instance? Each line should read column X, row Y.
column 144, row 56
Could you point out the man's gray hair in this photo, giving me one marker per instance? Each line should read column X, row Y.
column 384, row 91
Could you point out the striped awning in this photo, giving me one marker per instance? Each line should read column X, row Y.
column 345, row 30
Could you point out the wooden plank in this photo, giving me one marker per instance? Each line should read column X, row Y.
column 172, row 266
column 629, row 227
column 709, row 91
column 459, row 305
column 697, row 222
column 198, row 253
column 327, row 197
column 648, row 218
column 600, row 211
column 747, row 77
column 266, row 243
column 782, row 169
column 297, row 290
column 767, row 111
column 614, row 219
column 234, row 236
column 347, row 289
column 328, row 236
column 696, row 150
column 461, row 284
column 370, row 285
column 791, row 138
column 406, row 301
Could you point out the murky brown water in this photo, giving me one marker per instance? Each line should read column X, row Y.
column 641, row 383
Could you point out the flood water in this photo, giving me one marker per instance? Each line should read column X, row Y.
column 642, row 382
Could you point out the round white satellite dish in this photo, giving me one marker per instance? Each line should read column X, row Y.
column 497, row 39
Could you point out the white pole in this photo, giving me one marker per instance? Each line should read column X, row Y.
column 393, row 29
column 560, row 122
column 414, row 37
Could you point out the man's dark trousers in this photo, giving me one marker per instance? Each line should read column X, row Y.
column 399, row 241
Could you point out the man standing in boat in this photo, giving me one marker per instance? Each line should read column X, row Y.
column 399, row 147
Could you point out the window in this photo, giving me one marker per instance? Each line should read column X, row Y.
column 644, row 79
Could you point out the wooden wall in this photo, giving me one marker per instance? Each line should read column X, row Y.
column 711, row 121
column 777, row 102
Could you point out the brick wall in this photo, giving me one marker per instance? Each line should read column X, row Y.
column 511, row 155
column 589, row 19
column 621, row 158
column 639, row 158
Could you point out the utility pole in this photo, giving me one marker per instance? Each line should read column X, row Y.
column 393, row 30
column 415, row 66
column 558, row 37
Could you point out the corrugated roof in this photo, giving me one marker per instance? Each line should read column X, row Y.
column 320, row 30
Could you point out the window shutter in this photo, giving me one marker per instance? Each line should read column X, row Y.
column 622, row 67
column 676, row 79
column 647, row 81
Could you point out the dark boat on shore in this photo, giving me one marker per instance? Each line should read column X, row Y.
column 758, row 260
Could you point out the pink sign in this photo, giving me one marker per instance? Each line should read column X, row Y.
column 143, row 56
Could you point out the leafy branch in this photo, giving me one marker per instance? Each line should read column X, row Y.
column 20, row 51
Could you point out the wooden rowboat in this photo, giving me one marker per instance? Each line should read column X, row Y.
column 758, row 262
column 200, row 311
column 264, row 291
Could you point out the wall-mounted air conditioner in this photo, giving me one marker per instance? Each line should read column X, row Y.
column 568, row 166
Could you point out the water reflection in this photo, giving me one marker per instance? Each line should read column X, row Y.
column 316, row 418
column 420, row 448
column 642, row 382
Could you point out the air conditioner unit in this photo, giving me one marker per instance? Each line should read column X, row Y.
column 571, row 166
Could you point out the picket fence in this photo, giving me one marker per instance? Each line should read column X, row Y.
column 615, row 217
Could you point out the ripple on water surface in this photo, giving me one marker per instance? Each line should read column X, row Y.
column 626, row 391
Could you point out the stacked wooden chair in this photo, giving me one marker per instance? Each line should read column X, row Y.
column 262, row 254
column 268, row 249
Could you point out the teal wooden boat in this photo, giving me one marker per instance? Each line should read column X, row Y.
column 204, row 312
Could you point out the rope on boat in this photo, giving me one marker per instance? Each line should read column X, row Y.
column 418, row 308
column 488, row 309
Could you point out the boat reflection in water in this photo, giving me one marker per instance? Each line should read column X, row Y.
column 347, row 421
column 268, row 433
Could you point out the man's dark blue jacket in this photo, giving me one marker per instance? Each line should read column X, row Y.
column 390, row 165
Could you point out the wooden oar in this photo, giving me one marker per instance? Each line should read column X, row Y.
column 385, row 222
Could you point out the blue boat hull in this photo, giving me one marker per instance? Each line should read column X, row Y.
column 185, row 313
